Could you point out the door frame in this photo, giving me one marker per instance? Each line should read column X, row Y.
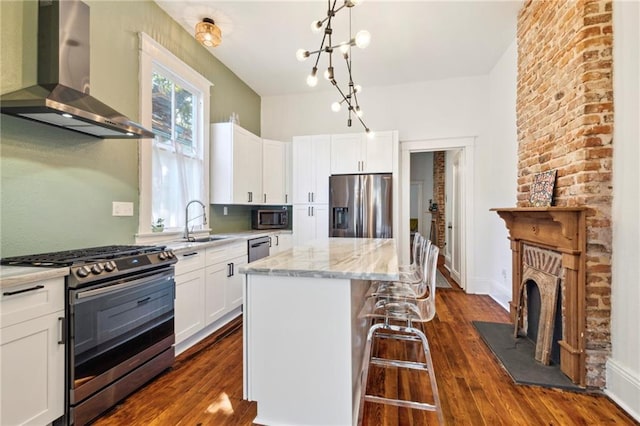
column 466, row 144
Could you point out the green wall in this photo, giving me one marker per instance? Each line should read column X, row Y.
column 56, row 186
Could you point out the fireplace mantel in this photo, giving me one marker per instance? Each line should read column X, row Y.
column 560, row 229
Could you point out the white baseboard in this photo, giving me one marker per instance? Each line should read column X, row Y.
column 207, row 331
column 623, row 387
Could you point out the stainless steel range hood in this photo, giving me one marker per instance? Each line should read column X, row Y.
column 61, row 97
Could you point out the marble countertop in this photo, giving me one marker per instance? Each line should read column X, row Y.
column 227, row 238
column 350, row 258
column 16, row 275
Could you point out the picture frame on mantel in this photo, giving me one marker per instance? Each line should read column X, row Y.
column 541, row 194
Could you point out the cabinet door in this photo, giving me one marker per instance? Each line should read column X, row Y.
column 273, row 173
column 321, row 162
column 285, row 242
column 214, row 291
column 32, row 363
column 321, row 215
column 189, row 305
column 247, row 167
column 235, row 283
column 304, row 228
column 346, row 154
column 302, row 169
column 288, row 186
column 379, row 153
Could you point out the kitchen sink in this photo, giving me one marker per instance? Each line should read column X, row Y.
column 206, row 239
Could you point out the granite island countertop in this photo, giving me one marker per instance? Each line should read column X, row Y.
column 344, row 258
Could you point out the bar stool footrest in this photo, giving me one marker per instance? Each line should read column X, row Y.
column 386, row 362
column 401, row 403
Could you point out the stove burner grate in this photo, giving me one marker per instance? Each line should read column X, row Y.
column 70, row 257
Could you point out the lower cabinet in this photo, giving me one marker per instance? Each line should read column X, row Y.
column 32, row 353
column 207, row 287
column 280, row 242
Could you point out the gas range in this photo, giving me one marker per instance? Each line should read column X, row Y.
column 89, row 265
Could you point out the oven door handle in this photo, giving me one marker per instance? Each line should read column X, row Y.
column 126, row 285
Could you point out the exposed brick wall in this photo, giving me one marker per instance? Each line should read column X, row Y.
column 565, row 122
column 438, row 195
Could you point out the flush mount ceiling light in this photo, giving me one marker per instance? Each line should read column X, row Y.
column 349, row 96
column 208, row 33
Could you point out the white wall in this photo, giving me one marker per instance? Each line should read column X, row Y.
column 425, row 110
column 623, row 368
column 496, row 180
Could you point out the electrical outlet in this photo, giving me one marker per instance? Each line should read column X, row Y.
column 122, row 208
column 504, row 274
column 225, row 211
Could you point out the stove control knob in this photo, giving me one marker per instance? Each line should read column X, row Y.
column 162, row 255
column 97, row 268
column 109, row 266
column 83, row 271
column 170, row 255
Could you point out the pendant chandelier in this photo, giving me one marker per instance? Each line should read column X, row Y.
column 348, row 95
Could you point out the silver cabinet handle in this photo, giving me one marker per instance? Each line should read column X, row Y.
column 265, row 198
column 229, row 270
column 308, row 196
column 313, row 196
column 286, row 198
column 63, row 333
column 277, row 240
column 308, row 210
column 311, row 210
column 195, row 253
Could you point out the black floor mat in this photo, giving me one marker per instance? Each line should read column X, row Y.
column 517, row 356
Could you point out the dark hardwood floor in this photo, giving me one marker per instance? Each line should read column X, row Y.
column 205, row 385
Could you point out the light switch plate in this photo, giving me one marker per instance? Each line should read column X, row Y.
column 122, row 208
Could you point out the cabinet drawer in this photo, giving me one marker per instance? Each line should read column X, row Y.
column 189, row 261
column 27, row 301
column 225, row 252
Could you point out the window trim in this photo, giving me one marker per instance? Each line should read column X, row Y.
column 150, row 52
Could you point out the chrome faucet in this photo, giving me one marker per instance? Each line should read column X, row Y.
column 187, row 220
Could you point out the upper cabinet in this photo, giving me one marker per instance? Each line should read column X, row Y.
column 274, row 172
column 311, row 169
column 357, row 153
column 236, row 165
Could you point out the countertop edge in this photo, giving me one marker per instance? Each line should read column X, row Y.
column 24, row 275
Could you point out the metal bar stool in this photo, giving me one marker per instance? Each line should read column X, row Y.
column 399, row 315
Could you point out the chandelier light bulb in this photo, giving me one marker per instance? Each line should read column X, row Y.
column 336, row 107
column 370, row 134
column 302, row 55
column 344, row 47
column 357, row 88
column 316, row 26
column 359, row 112
column 328, row 73
column 363, row 38
column 312, row 79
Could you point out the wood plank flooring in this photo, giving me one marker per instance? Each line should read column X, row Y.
column 205, row 385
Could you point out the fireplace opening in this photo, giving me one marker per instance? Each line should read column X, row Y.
column 534, row 308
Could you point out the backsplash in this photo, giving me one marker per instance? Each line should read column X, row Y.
column 238, row 217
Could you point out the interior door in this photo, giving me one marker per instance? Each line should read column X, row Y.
column 454, row 226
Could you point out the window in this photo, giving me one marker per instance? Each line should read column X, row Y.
column 173, row 166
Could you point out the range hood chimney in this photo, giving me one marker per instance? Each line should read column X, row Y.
column 61, row 97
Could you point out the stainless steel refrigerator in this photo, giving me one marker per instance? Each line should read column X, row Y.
column 360, row 206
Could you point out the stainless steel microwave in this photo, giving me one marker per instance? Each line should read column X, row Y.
column 269, row 219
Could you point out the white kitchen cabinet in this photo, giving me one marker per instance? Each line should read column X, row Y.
column 190, row 301
column 236, row 165
column 357, row 153
column 32, row 353
column 280, row 241
column 288, row 187
column 311, row 169
column 310, row 222
column 274, row 172
column 223, row 292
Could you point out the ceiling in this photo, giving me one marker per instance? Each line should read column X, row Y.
column 411, row 41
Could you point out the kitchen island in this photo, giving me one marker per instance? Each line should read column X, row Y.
column 303, row 340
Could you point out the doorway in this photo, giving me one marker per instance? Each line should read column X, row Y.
column 461, row 232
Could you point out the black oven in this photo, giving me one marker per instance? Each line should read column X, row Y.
column 120, row 335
